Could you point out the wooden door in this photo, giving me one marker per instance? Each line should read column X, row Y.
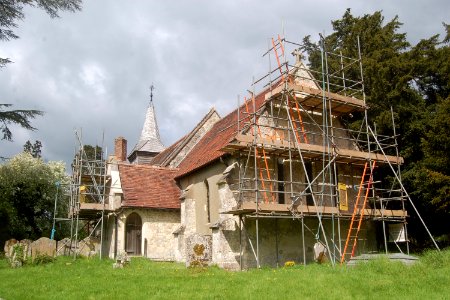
column 133, row 234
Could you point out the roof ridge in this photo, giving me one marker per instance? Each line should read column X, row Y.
column 208, row 147
column 156, row 167
column 183, row 141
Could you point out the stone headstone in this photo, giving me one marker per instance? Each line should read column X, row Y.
column 89, row 246
column 198, row 250
column 9, row 247
column 63, row 247
column 26, row 247
column 121, row 260
column 43, row 246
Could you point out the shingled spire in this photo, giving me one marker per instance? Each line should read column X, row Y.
column 149, row 143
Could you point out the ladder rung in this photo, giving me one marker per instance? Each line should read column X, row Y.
column 361, row 200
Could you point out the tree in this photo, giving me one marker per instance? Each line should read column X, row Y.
column 33, row 149
column 415, row 81
column 19, row 117
column 11, row 11
column 28, row 187
column 89, row 160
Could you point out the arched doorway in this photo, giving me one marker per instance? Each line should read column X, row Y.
column 133, row 234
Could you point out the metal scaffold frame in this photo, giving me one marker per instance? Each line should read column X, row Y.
column 88, row 194
column 292, row 128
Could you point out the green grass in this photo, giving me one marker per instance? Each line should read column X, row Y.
column 144, row 279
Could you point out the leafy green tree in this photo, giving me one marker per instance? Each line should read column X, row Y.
column 415, row 81
column 90, row 157
column 33, row 149
column 28, row 187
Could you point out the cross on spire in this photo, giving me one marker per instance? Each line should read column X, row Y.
column 152, row 87
column 298, row 55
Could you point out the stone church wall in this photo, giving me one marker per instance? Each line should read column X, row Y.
column 158, row 227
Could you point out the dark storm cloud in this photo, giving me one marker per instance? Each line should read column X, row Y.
column 93, row 69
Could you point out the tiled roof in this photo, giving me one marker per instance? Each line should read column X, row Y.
column 208, row 148
column 149, row 187
column 159, row 159
column 165, row 158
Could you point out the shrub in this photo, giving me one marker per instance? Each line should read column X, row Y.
column 42, row 259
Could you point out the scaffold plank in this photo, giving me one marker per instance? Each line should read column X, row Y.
column 307, row 210
column 312, row 98
column 310, row 151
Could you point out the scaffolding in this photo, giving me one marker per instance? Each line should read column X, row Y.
column 297, row 159
column 88, row 195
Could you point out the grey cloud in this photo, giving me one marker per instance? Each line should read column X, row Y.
column 93, row 69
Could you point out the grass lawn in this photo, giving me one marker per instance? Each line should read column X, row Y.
column 144, row 279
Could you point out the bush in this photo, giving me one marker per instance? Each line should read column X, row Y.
column 42, row 259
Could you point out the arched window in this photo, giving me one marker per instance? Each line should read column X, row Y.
column 208, row 204
column 133, row 234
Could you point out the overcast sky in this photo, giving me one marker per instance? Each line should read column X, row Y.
column 92, row 69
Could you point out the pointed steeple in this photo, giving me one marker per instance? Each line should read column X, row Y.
column 149, row 143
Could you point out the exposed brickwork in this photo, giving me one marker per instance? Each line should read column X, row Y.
column 120, row 148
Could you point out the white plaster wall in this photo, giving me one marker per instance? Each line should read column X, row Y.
column 115, row 189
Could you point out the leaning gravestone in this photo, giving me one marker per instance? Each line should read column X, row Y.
column 89, row 246
column 63, row 247
column 198, row 250
column 43, row 246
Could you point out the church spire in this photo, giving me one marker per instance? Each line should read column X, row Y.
column 149, row 143
column 150, row 131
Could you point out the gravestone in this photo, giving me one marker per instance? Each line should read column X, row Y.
column 26, row 247
column 89, row 246
column 9, row 247
column 43, row 246
column 198, row 250
column 63, row 247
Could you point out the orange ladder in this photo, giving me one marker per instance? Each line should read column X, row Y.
column 266, row 200
column 279, row 46
column 360, row 206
